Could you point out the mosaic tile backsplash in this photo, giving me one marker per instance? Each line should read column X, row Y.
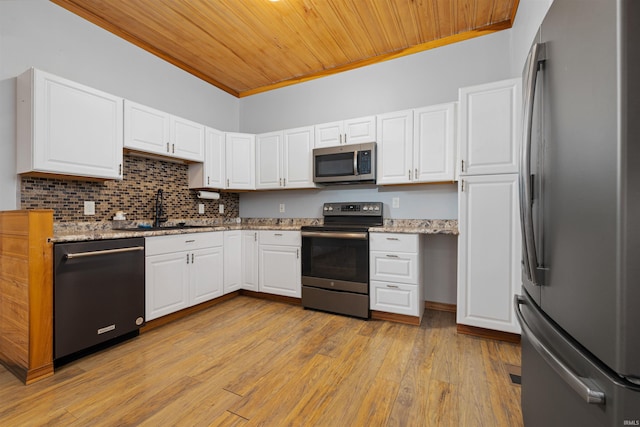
column 134, row 195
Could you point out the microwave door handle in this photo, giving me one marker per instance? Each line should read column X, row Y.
column 355, row 162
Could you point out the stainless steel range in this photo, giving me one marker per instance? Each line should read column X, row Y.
column 335, row 258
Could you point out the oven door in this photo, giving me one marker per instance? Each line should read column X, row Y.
column 336, row 260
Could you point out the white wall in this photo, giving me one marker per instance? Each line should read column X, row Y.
column 41, row 34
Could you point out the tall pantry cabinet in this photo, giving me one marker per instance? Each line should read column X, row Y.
column 489, row 244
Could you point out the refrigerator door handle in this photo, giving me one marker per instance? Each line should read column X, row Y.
column 583, row 386
column 529, row 255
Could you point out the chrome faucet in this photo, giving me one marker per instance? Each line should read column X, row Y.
column 159, row 212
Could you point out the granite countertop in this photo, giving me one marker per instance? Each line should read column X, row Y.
column 76, row 232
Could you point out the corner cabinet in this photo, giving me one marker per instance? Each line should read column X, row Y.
column 151, row 131
column 417, row 146
column 232, row 260
column 240, row 161
column 283, row 159
column 250, row 260
column 352, row 131
column 64, row 128
column 279, row 263
column 490, row 117
column 489, row 251
column 181, row 271
column 210, row 173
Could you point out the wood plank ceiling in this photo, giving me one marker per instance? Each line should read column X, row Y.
column 246, row 47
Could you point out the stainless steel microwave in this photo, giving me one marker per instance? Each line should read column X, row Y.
column 345, row 164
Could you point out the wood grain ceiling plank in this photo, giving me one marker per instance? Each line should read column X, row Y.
column 246, row 47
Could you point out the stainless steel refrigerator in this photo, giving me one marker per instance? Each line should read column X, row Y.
column 580, row 208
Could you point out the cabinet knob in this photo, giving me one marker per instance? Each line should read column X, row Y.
column 167, row 147
column 187, row 258
column 173, row 148
column 409, row 174
column 415, row 175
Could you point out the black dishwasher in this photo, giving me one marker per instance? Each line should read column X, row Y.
column 98, row 293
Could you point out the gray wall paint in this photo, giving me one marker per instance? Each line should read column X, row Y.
column 38, row 33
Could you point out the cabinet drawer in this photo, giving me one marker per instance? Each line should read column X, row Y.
column 395, row 298
column 394, row 267
column 182, row 242
column 393, row 242
column 281, row 238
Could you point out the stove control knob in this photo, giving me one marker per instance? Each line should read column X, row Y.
column 326, row 208
column 330, row 208
column 366, row 208
column 377, row 208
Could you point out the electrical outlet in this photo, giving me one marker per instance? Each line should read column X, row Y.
column 281, row 207
column 395, row 202
column 89, row 208
column 200, row 208
column 221, row 208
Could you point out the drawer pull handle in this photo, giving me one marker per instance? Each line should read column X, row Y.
column 189, row 241
column 277, row 234
column 392, row 286
column 392, row 256
column 392, row 238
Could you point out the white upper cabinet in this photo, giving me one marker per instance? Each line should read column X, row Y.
column 155, row 132
column 283, row 159
column 352, row 131
column 395, row 147
column 211, row 173
column 240, row 161
column 490, row 126
column 269, row 160
column 417, row 146
column 434, row 143
column 65, row 128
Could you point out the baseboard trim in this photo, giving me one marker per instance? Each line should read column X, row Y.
column 393, row 317
column 440, row 306
column 272, row 297
column 488, row 333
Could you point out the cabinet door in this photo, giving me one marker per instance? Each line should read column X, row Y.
column 205, row 274
column 297, row 162
column 489, row 251
column 268, row 160
column 434, row 143
column 280, row 270
column 328, row 134
column 395, row 147
column 187, row 139
column 166, row 284
column 232, row 260
column 240, row 161
column 214, row 151
column 67, row 128
column 360, row 130
column 250, row 260
column 146, row 129
column 490, row 127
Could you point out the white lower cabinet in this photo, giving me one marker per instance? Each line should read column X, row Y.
column 232, row 261
column 279, row 263
column 181, row 271
column 396, row 284
column 250, row 260
column 489, row 251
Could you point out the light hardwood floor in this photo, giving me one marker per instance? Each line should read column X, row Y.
column 249, row 362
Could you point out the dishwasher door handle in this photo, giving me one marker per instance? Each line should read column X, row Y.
column 104, row 252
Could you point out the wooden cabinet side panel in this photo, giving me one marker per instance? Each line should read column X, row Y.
column 26, row 293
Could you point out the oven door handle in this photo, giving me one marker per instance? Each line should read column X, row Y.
column 336, row 235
